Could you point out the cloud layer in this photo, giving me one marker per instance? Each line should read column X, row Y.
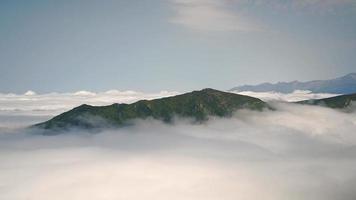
column 295, row 152
column 46, row 105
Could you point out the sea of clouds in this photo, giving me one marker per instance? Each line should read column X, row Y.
column 294, row 152
column 32, row 107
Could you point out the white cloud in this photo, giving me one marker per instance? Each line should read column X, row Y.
column 84, row 93
column 210, row 15
column 296, row 152
column 235, row 15
column 45, row 106
column 297, row 95
column 58, row 102
column 30, row 93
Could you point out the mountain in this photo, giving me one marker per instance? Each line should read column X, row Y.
column 342, row 101
column 342, row 85
column 198, row 105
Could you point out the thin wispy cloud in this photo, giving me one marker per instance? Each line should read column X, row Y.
column 234, row 15
column 311, row 5
column 210, row 15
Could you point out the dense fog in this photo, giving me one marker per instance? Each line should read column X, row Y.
column 294, row 152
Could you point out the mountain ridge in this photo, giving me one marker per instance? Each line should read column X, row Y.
column 198, row 105
column 341, row 85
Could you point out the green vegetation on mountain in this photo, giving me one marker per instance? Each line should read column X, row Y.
column 342, row 101
column 198, row 105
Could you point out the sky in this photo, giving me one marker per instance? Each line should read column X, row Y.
column 175, row 45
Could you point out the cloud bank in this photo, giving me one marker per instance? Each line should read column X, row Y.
column 295, row 152
column 297, row 95
column 43, row 106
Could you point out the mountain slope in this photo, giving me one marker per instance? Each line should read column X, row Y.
column 197, row 105
column 342, row 101
column 342, row 85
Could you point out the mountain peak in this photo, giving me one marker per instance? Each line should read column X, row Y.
column 197, row 105
column 209, row 90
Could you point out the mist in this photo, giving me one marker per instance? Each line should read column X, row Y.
column 294, row 152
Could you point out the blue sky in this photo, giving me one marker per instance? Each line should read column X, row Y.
column 64, row 46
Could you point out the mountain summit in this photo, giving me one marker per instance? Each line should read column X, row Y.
column 198, row 105
column 341, row 85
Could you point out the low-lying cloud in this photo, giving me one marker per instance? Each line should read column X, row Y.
column 34, row 108
column 51, row 103
column 295, row 152
column 297, row 95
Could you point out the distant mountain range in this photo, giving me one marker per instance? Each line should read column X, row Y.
column 197, row 105
column 342, row 85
